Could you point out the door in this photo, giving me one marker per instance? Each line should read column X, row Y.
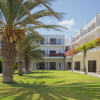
column 92, row 66
column 41, row 65
column 52, row 65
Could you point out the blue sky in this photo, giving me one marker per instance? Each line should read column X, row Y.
column 79, row 12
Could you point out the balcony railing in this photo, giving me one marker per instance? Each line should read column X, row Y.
column 56, row 54
column 90, row 28
column 98, row 23
column 74, row 39
column 51, row 43
column 83, row 33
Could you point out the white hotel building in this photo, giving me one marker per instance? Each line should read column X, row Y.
column 54, row 47
column 58, row 44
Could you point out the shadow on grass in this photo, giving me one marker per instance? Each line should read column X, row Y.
column 40, row 77
column 40, row 72
column 40, row 91
column 35, row 72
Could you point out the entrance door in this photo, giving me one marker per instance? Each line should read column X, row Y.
column 68, row 65
column 77, row 65
column 92, row 66
column 41, row 65
column 52, row 65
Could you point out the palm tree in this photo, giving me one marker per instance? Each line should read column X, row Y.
column 31, row 52
column 12, row 14
column 29, row 38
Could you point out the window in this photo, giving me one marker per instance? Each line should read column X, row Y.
column 59, row 41
column 67, row 48
column 59, row 65
column 36, row 64
column 52, row 51
column 52, row 40
column 42, row 42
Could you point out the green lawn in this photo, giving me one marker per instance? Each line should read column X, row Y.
column 51, row 85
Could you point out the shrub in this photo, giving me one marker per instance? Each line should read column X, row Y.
column 77, row 49
column 15, row 66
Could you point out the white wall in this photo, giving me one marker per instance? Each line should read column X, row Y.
column 78, row 59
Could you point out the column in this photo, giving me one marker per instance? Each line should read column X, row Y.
column 48, row 65
column 45, row 65
column 72, row 65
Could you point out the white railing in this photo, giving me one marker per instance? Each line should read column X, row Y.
column 52, row 44
column 89, row 29
column 83, row 33
column 98, row 22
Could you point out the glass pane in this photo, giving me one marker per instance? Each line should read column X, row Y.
column 59, row 41
column 59, row 65
column 56, row 41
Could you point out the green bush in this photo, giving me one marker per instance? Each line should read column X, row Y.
column 77, row 49
column 15, row 66
column 83, row 47
column 88, row 45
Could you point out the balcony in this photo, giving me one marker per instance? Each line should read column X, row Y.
column 56, row 55
column 93, row 24
column 44, row 43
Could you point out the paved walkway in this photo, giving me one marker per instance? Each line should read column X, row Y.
column 0, row 74
column 89, row 73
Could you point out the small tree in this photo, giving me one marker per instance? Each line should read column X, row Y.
column 70, row 53
column 84, row 50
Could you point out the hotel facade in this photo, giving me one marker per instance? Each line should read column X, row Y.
column 54, row 47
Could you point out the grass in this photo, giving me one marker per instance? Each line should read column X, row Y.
column 51, row 85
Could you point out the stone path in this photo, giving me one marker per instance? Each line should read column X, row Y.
column 89, row 73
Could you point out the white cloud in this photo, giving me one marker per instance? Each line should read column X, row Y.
column 69, row 28
column 67, row 22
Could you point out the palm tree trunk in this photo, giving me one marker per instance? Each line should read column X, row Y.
column 20, row 61
column 27, row 64
column 8, row 54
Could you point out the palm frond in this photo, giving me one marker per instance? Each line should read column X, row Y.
column 29, row 14
column 47, row 27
